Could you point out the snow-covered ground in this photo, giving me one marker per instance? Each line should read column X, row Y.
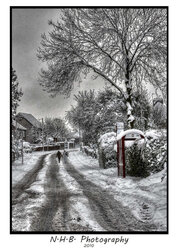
column 146, row 197
column 19, row 170
column 34, row 196
column 79, row 205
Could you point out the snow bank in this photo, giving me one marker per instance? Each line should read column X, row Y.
column 146, row 198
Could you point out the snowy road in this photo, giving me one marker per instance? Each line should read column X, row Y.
column 108, row 212
column 55, row 196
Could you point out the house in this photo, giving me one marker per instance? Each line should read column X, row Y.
column 18, row 131
column 32, row 125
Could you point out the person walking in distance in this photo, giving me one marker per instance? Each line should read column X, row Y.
column 65, row 155
column 59, row 155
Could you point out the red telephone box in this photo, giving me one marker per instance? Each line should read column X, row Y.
column 122, row 136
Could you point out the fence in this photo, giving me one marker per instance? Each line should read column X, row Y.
column 61, row 145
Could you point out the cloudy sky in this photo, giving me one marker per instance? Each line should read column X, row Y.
column 27, row 27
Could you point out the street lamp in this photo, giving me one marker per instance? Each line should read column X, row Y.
column 18, row 139
column 42, row 132
column 21, row 140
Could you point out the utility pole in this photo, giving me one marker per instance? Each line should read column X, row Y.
column 22, row 150
column 16, row 136
column 80, row 138
column 43, row 134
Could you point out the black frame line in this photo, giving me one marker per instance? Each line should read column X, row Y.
column 89, row 232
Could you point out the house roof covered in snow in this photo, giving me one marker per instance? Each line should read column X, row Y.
column 17, row 125
column 31, row 119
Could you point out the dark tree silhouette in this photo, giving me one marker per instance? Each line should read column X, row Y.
column 16, row 92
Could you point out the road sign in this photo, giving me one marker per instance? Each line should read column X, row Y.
column 119, row 127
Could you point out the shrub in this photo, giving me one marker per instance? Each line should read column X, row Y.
column 106, row 152
column 136, row 164
column 156, row 152
column 154, row 155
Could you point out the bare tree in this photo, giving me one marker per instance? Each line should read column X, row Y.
column 124, row 46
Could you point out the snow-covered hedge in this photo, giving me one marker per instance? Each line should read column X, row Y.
column 89, row 151
column 16, row 151
column 17, row 148
column 136, row 163
column 106, row 151
column 152, row 158
column 154, row 151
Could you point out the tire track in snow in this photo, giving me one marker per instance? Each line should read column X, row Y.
column 109, row 213
column 27, row 180
column 79, row 206
column 56, row 196
column 29, row 201
column 54, row 213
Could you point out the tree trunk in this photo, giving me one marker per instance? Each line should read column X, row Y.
column 128, row 97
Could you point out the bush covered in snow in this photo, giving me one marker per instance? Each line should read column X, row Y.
column 139, row 161
column 27, row 148
column 156, row 150
column 17, row 148
column 89, row 151
column 151, row 159
column 16, row 152
column 106, row 152
column 136, row 164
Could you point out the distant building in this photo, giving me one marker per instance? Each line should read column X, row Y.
column 32, row 125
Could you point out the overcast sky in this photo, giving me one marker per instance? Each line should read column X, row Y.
column 27, row 27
